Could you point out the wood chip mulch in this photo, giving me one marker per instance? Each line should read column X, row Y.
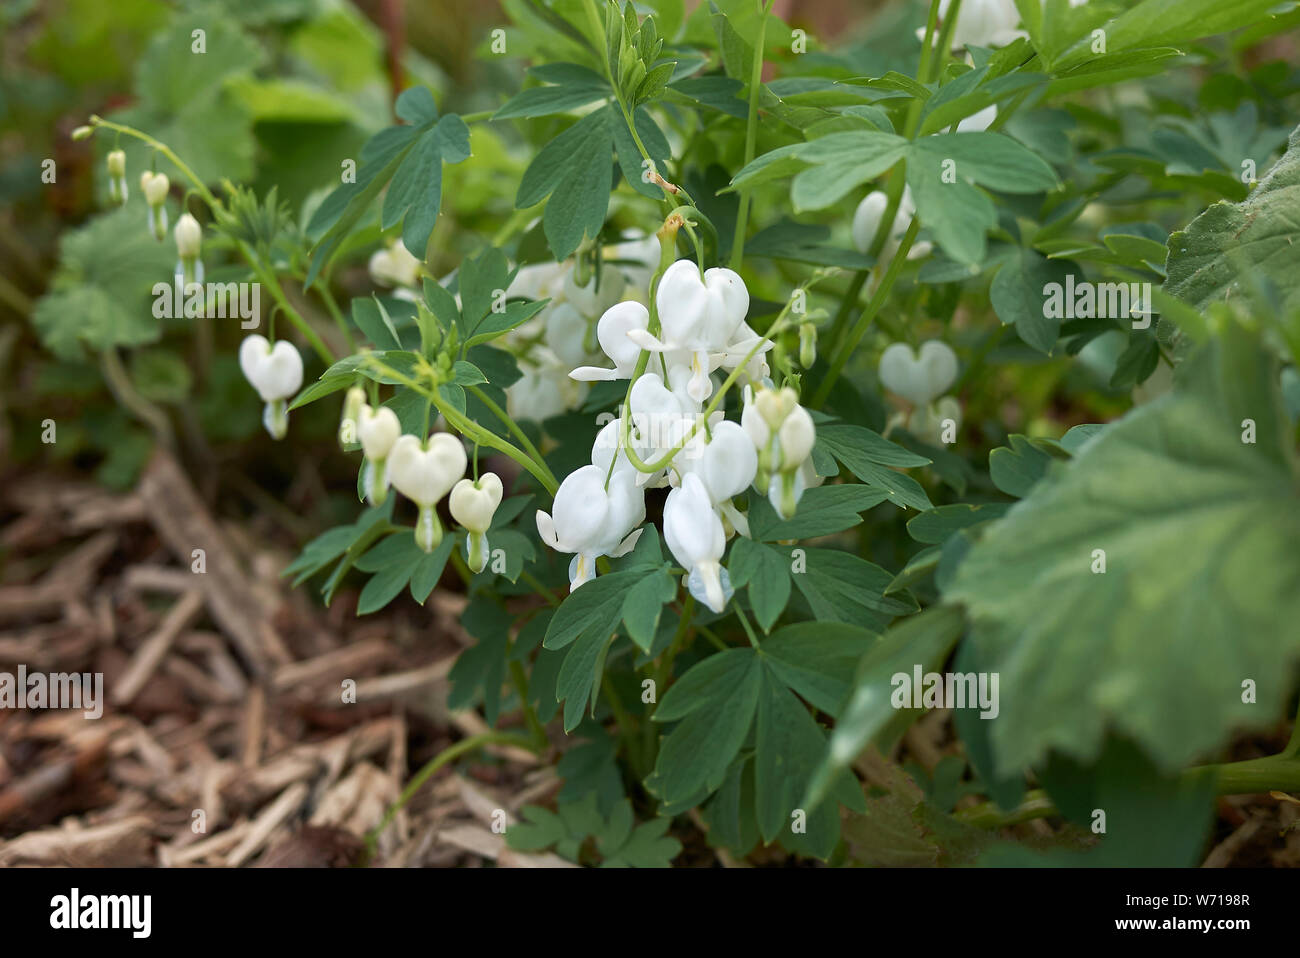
column 225, row 738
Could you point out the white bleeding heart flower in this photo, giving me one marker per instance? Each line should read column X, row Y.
column 594, row 298
column 927, row 422
column 606, row 446
column 739, row 349
column 866, row 220
column 612, row 334
column 189, row 238
column 538, row 281
column 395, row 266
column 697, row 315
column 543, row 390
column 352, row 403
column 792, row 449
column 117, row 188
column 473, row 504
column 155, row 187
column 982, row 23
column 726, row 464
column 590, row 521
column 566, row 334
column 276, row 374
column 640, row 258
column 377, row 431
column 783, row 434
column 978, row 122
column 796, row 438
column 659, row 418
column 694, row 533
column 918, row 378
column 424, row 472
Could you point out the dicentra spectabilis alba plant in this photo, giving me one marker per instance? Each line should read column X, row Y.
column 696, row 404
column 276, row 373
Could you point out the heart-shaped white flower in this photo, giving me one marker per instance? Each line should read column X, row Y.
column 424, row 472
column 591, row 520
column 726, row 464
column 566, row 334
column 918, row 379
column 275, row 372
column 395, row 266
column 377, row 430
column 612, row 334
column 697, row 316
column 590, row 301
column 473, row 504
column 694, row 533
column 155, row 187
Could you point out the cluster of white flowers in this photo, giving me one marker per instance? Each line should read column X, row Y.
column 667, row 438
column 564, row 334
column 921, row 379
column 424, row 471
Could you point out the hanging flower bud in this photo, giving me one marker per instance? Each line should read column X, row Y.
column 276, row 374
column 794, row 442
column 155, row 187
column 424, row 472
column 117, row 188
column 377, row 431
column 352, row 403
column 807, row 345
column 189, row 238
column 696, row 539
column 473, row 504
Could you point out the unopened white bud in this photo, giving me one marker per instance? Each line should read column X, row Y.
column 189, row 237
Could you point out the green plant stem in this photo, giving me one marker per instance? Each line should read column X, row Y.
column 332, row 307
column 520, row 680
column 1275, row 772
column 165, row 150
column 751, row 136
column 749, row 629
column 547, row 595
column 510, row 424
column 119, row 383
column 14, row 298
column 448, row 754
column 864, row 321
column 626, row 726
column 269, row 280
column 846, row 304
column 670, row 189
column 472, row 430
